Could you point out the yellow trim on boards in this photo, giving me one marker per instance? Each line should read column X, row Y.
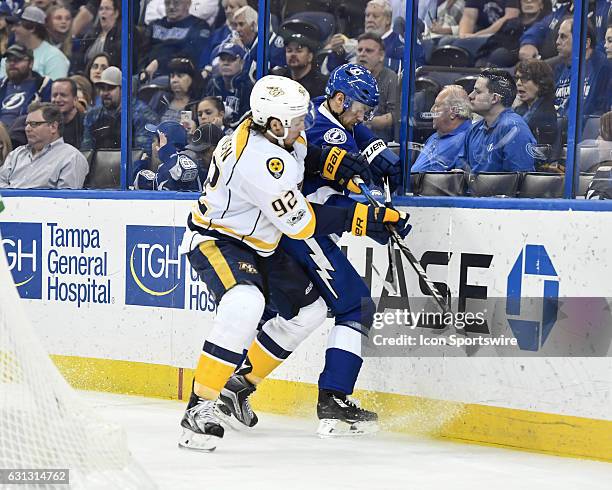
column 561, row 435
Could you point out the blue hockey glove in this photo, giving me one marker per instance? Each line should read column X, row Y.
column 383, row 162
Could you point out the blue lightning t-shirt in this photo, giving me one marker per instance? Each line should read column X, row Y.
column 596, row 96
column 505, row 146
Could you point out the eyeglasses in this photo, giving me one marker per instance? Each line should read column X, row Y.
column 35, row 124
column 523, row 78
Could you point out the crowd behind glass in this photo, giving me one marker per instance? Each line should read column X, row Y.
column 490, row 93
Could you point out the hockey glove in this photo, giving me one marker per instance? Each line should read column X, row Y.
column 367, row 220
column 341, row 167
column 383, row 162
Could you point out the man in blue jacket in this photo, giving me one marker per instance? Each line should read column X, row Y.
column 501, row 141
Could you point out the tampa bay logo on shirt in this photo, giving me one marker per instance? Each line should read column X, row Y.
column 23, row 246
column 155, row 271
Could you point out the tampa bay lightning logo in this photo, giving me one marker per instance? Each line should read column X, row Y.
column 335, row 136
column 14, row 101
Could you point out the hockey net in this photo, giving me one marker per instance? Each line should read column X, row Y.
column 44, row 424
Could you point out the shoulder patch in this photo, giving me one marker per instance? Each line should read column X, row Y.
column 335, row 136
column 279, row 42
column 276, row 167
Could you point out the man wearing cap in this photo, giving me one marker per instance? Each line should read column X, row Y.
column 21, row 86
column 102, row 126
column 299, row 53
column 46, row 162
column 232, row 84
column 30, row 30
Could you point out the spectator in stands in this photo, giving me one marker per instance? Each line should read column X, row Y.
column 502, row 48
column 102, row 125
column 378, row 21
column 186, row 86
column 104, row 37
column 244, row 23
column 597, row 73
column 46, row 162
column 594, row 152
column 539, row 40
column 608, row 43
column 64, row 96
column 84, row 92
column 299, row 54
column 179, row 33
column 224, row 32
column 202, row 9
column 21, row 86
column 536, row 91
column 481, row 18
column 5, row 11
column 211, row 110
column 232, row 84
column 371, row 54
column 59, row 23
column 446, row 22
column 452, row 120
column 501, row 141
column 30, row 30
column 5, row 143
column 94, row 71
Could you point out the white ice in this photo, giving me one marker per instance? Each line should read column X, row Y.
column 284, row 453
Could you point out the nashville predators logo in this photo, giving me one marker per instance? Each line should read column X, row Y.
column 246, row 267
column 276, row 167
column 275, row 91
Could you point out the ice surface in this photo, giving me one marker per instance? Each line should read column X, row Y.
column 284, row 453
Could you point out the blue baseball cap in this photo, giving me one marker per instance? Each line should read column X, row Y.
column 229, row 48
column 5, row 9
column 176, row 134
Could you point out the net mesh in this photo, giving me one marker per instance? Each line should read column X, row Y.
column 44, row 424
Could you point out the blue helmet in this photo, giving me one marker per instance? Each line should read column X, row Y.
column 355, row 82
column 175, row 133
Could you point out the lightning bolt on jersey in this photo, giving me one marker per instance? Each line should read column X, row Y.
column 252, row 194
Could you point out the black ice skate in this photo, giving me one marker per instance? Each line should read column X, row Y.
column 339, row 416
column 202, row 429
column 233, row 403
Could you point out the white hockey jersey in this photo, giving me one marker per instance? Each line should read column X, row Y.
column 252, row 193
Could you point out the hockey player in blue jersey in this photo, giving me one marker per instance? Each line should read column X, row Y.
column 351, row 97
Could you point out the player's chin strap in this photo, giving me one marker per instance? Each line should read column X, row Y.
column 279, row 139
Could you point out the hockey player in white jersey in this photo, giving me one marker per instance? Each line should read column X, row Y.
column 252, row 197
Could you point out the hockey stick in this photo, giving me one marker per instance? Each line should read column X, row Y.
column 390, row 248
column 429, row 285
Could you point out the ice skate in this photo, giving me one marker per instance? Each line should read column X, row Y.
column 233, row 406
column 341, row 417
column 202, row 429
